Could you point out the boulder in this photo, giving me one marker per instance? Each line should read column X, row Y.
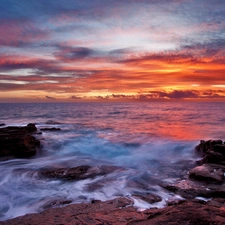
column 208, row 172
column 18, row 141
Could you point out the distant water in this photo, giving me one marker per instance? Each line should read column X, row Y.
column 147, row 140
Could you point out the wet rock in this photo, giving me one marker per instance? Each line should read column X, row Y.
column 188, row 212
column 77, row 173
column 110, row 212
column 2, row 124
column 148, row 197
column 208, row 172
column 211, row 157
column 50, row 129
column 188, row 189
column 205, row 146
column 56, row 203
column 18, row 141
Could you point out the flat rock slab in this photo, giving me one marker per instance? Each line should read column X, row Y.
column 18, row 141
column 120, row 212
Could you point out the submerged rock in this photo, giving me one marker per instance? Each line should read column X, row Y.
column 50, row 129
column 148, row 197
column 18, row 141
column 77, row 173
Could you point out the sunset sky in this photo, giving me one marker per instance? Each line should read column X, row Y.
column 74, row 50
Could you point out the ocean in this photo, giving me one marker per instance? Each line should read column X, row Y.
column 147, row 140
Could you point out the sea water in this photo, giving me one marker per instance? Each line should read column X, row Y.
column 146, row 141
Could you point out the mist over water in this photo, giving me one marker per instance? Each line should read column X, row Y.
column 144, row 141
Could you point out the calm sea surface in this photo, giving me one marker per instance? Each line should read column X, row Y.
column 144, row 139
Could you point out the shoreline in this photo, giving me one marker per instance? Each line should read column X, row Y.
column 204, row 181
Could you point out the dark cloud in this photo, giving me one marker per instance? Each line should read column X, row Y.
column 180, row 94
column 75, row 53
column 75, row 97
column 21, row 33
column 121, row 51
column 175, row 57
column 51, row 98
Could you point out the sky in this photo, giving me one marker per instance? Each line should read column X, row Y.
column 73, row 50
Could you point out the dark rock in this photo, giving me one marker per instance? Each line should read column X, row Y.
column 77, row 173
column 220, row 148
column 148, row 197
column 208, row 172
column 2, row 124
column 56, row 203
column 31, row 127
column 211, row 157
column 95, row 201
column 212, row 151
column 18, row 141
column 204, row 146
column 50, row 129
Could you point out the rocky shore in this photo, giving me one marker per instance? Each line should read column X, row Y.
column 202, row 189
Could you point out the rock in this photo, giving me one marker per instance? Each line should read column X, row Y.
column 190, row 189
column 50, row 129
column 77, row 173
column 212, row 151
column 204, row 146
column 220, row 148
column 18, row 141
column 56, row 203
column 188, row 212
column 208, row 172
column 211, row 157
column 111, row 212
column 31, row 127
column 148, row 197
column 2, row 124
